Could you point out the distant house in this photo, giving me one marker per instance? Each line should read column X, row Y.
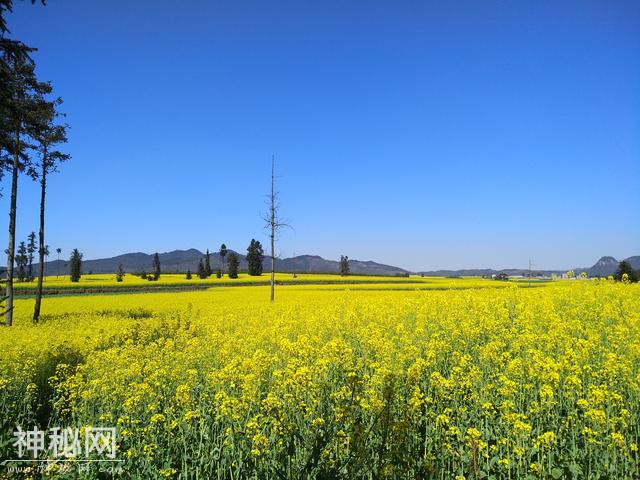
column 501, row 276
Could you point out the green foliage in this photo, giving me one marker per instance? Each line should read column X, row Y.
column 255, row 257
column 207, row 264
column 31, row 250
column 120, row 273
column 624, row 268
column 156, row 266
column 344, row 265
column 201, row 271
column 21, row 260
column 223, row 253
column 233, row 264
column 75, row 265
column 188, row 276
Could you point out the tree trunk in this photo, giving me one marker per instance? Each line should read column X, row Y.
column 43, row 192
column 273, row 266
column 12, row 230
column 273, row 230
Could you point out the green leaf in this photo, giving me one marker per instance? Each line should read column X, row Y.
column 556, row 472
column 575, row 470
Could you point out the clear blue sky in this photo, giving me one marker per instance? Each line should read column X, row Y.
column 421, row 134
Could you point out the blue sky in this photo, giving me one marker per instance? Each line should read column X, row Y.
column 421, row 134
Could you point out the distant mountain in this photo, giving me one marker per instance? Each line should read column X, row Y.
column 183, row 260
column 602, row 268
column 608, row 265
column 316, row 264
column 634, row 262
column 487, row 272
column 177, row 260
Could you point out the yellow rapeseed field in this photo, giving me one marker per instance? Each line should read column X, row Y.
column 339, row 382
column 63, row 282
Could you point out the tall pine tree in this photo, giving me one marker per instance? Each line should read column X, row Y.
column 21, row 96
column 233, row 263
column 22, row 259
column 255, row 257
column 222, row 253
column 156, row 266
column 49, row 136
column 31, row 250
column 207, row 264
column 201, row 273
column 75, row 265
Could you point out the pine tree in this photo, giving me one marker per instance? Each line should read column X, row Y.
column 75, row 265
column 201, row 273
column 48, row 136
column 222, row 253
column 31, row 250
column 58, row 251
column 255, row 257
column 344, row 265
column 156, row 266
column 22, row 259
column 21, row 96
column 188, row 276
column 207, row 264
column 233, row 264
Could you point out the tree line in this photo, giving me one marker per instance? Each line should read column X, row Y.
column 255, row 257
column 31, row 133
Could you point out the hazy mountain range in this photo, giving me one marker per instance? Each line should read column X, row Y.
column 604, row 267
column 183, row 260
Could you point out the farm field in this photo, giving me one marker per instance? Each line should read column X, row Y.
column 106, row 283
column 130, row 281
column 467, row 379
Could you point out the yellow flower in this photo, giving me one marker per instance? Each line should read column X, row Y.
column 545, row 440
column 618, row 440
column 157, row 418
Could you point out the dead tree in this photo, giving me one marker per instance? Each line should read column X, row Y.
column 274, row 224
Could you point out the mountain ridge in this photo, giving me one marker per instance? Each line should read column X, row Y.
column 605, row 266
column 183, row 260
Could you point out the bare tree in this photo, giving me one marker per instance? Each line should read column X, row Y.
column 274, row 224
